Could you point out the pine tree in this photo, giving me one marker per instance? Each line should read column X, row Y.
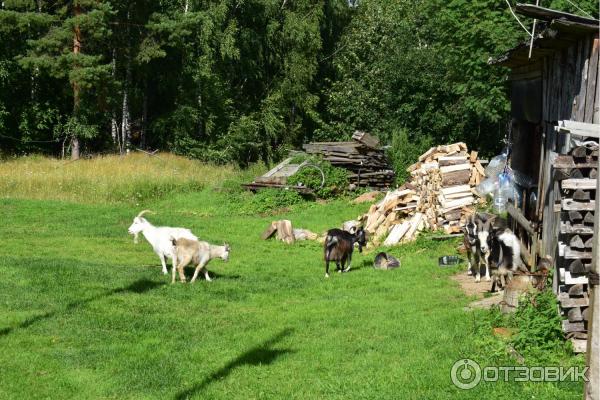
column 73, row 50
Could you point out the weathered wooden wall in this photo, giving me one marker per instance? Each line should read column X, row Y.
column 570, row 91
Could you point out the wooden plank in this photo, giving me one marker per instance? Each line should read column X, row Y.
column 590, row 129
column 590, row 98
column 577, row 83
column 366, row 139
column 581, row 96
column 518, row 216
column 574, row 280
column 571, row 254
column 568, row 229
column 583, row 183
column 567, row 162
column 568, row 327
column 572, row 205
column 569, row 302
column 276, row 168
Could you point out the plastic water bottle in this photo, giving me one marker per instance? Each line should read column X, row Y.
column 506, row 186
column 499, row 201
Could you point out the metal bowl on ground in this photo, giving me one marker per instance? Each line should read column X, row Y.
column 446, row 261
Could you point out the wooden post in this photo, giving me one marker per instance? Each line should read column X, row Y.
column 592, row 386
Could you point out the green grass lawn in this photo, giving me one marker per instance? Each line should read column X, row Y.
column 86, row 314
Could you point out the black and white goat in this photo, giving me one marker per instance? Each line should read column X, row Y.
column 339, row 245
column 502, row 254
column 471, row 243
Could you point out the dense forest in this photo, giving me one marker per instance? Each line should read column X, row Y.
column 245, row 80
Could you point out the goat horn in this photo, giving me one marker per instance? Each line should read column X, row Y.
column 143, row 212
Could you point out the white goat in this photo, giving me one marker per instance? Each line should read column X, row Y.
column 159, row 238
column 200, row 253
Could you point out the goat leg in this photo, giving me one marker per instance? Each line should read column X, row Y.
column 469, row 263
column 163, row 263
column 327, row 268
column 339, row 267
column 201, row 264
column 349, row 263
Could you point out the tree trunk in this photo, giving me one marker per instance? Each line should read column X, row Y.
column 114, row 125
column 125, row 121
column 75, row 84
column 144, row 115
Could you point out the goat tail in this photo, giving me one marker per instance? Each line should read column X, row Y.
column 331, row 241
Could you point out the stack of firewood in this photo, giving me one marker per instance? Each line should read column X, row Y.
column 439, row 195
column 363, row 157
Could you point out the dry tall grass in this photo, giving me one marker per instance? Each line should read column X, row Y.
column 132, row 178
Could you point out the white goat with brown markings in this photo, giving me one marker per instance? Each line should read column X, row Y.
column 199, row 252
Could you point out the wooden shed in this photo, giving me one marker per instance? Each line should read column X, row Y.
column 554, row 134
column 555, row 110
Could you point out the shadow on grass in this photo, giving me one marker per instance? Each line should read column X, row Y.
column 258, row 355
column 189, row 272
column 140, row 286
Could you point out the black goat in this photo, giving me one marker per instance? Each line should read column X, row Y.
column 339, row 245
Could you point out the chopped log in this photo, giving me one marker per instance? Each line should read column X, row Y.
column 593, row 173
column 588, row 219
column 473, row 156
column 454, row 168
column 585, row 314
column 589, row 243
column 576, row 242
column 396, row 233
column 456, row 178
column 479, row 168
column 577, row 267
column 576, row 290
column 574, row 315
column 453, row 160
column 579, row 345
column 580, row 195
column 285, row 231
column 575, row 174
column 415, row 222
column 575, row 216
column 579, row 151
